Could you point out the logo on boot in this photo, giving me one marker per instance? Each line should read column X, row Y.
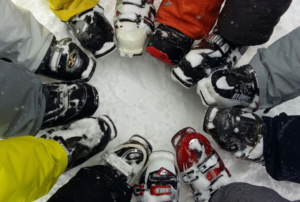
column 72, row 60
column 164, row 172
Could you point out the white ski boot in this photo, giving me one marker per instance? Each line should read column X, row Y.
column 231, row 87
column 159, row 180
column 133, row 24
column 129, row 158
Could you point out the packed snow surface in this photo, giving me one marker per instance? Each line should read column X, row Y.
column 141, row 98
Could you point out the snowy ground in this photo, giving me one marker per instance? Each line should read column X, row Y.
column 139, row 95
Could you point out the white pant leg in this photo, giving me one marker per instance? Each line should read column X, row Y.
column 23, row 39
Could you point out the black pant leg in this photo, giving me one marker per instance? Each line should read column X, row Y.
column 94, row 184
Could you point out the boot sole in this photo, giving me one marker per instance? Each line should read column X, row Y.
column 106, row 53
column 176, row 78
column 206, row 119
column 159, row 55
column 142, row 140
column 92, row 71
column 112, row 126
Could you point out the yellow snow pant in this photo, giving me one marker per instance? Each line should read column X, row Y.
column 65, row 9
column 29, row 167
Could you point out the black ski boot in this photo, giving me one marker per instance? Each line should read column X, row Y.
column 231, row 87
column 236, row 131
column 64, row 60
column 93, row 31
column 159, row 179
column 83, row 139
column 168, row 44
column 211, row 54
column 69, row 101
column 129, row 158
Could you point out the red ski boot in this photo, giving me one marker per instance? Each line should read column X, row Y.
column 199, row 164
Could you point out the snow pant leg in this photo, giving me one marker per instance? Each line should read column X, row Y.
column 94, row 184
column 23, row 40
column 281, row 147
column 29, row 167
column 66, row 9
column 250, row 22
column 22, row 101
column 278, row 70
column 245, row 192
column 194, row 18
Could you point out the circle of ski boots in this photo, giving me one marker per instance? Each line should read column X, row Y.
column 159, row 179
column 93, row 31
column 236, row 131
column 230, row 87
column 129, row 158
column 64, row 60
column 168, row 44
column 68, row 101
column 134, row 22
column 82, row 139
column 210, row 54
column 200, row 166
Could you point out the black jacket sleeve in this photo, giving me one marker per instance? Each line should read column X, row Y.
column 250, row 22
column 281, row 147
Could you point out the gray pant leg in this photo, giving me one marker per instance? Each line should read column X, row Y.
column 22, row 101
column 243, row 192
column 23, row 39
column 278, row 70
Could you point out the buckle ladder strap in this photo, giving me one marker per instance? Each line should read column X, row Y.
column 209, row 162
column 118, row 163
column 210, row 188
column 139, row 3
column 149, row 23
column 139, row 189
column 198, row 195
column 129, row 17
column 189, row 177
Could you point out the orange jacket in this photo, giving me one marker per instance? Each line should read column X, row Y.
column 194, row 18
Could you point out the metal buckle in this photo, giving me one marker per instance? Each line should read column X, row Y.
column 208, row 163
column 189, row 177
column 138, row 189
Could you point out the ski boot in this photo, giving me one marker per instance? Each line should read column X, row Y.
column 129, row 158
column 93, row 31
column 159, row 180
column 168, row 44
column 236, row 131
column 231, row 87
column 68, row 101
column 134, row 22
column 64, row 60
column 200, row 166
column 83, row 139
column 211, row 54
